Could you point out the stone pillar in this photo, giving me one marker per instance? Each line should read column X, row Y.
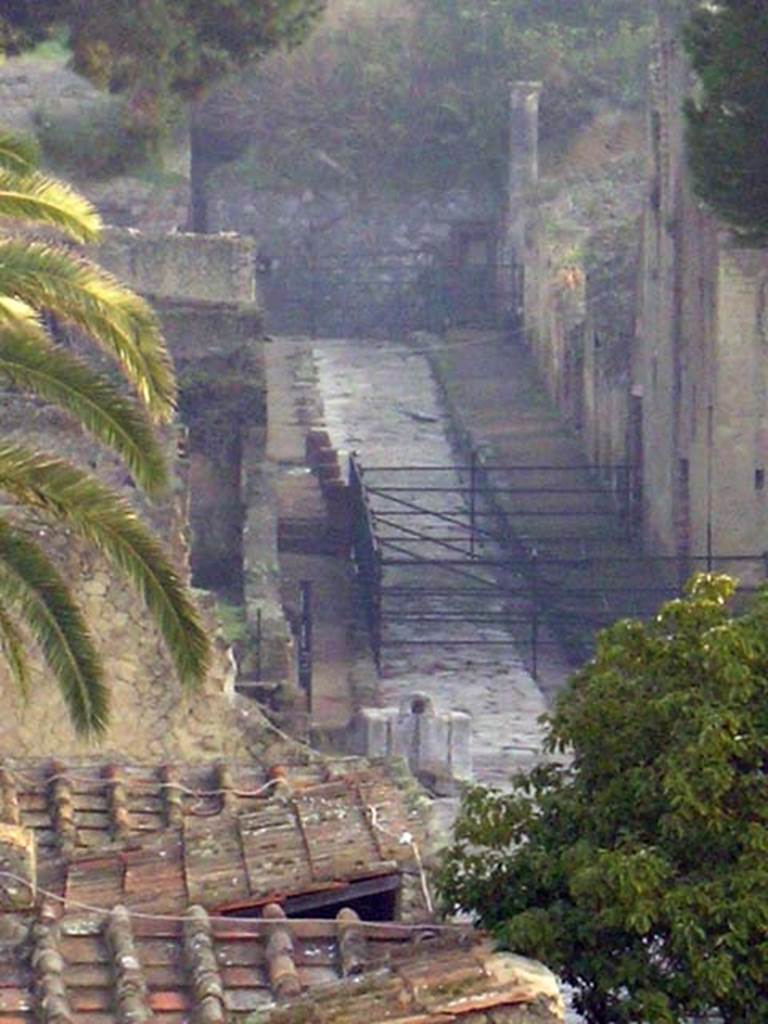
column 18, row 868
column 523, row 136
column 523, row 175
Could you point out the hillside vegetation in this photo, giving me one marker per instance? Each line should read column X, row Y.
column 413, row 93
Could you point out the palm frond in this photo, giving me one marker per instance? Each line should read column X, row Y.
column 18, row 153
column 55, row 375
column 108, row 522
column 31, row 584
column 20, row 318
column 115, row 318
column 36, row 198
column 14, row 650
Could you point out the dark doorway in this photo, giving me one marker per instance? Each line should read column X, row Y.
column 473, row 275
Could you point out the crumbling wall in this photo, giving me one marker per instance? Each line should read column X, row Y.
column 202, row 268
column 150, row 716
column 345, row 264
column 204, row 290
column 581, row 263
column 701, row 369
column 612, row 265
column 215, row 338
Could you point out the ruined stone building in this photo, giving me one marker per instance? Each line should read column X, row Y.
column 648, row 323
column 345, row 260
column 700, row 366
column 203, row 289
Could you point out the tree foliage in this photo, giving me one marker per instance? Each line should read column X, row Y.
column 157, row 49
column 415, row 92
column 44, row 283
column 637, row 867
column 727, row 121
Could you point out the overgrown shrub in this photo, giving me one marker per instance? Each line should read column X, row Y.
column 95, row 141
column 638, row 867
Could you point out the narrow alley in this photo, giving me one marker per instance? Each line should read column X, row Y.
column 381, row 401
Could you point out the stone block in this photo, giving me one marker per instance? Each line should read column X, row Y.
column 433, row 743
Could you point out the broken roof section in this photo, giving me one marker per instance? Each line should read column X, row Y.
column 123, row 884
column 224, row 836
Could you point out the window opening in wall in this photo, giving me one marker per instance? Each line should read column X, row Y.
column 759, row 479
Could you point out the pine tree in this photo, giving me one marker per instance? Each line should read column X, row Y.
column 727, row 120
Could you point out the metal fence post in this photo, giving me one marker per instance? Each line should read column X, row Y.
column 305, row 640
column 376, row 616
column 627, row 500
column 472, row 501
column 535, row 614
column 258, row 644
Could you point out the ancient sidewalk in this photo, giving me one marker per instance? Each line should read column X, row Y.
column 499, row 407
column 309, row 545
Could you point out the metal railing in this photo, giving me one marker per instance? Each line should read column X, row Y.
column 461, row 563
column 367, row 556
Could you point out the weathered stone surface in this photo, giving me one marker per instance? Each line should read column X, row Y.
column 220, row 331
column 178, row 266
column 18, row 868
column 431, row 741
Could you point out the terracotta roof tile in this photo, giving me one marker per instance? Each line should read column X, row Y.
column 121, row 843
column 114, row 968
column 224, row 836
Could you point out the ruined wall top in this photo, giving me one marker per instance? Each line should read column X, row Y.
column 200, row 268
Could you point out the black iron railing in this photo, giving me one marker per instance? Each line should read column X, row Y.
column 445, row 554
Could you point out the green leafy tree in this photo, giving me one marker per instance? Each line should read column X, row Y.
column 41, row 280
column 637, row 867
column 727, row 122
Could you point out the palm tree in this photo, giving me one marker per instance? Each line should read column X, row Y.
column 44, row 282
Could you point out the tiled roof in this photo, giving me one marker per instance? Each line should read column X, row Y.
column 116, row 968
column 222, row 836
column 137, row 865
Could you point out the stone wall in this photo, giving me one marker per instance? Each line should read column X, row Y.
column 581, row 264
column 205, row 295
column 701, row 367
column 151, row 717
column 353, row 265
column 652, row 340
column 216, row 268
column 203, row 288
column 740, row 415
column 612, row 265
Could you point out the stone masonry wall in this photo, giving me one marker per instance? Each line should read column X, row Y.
column 580, row 283
column 216, row 341
column 700, row 367
column 151, row 717
column 202, row 268
column 653, row 341
column 739, row 504
column 203, row 288
column 350, row 265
